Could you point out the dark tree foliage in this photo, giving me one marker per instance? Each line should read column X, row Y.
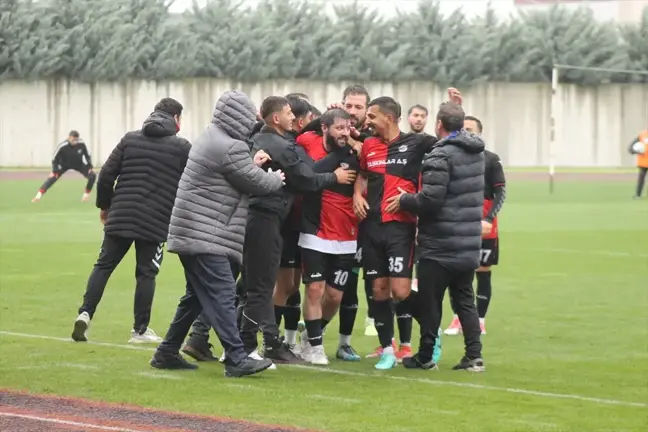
column 113, row 40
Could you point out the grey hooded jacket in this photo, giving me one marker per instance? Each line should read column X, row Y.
column 210, row 210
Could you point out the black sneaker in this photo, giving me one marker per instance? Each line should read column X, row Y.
column 171, row 361
column 470, row 365
column 247, row 366
column 416, row 362
column 279, row 352
column 199, row 349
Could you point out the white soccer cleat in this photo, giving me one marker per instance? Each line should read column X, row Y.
column 370, row 327
column 255, row 355
column 454, row 328
column 148, row 336
column 315, row 355
column 80, row 332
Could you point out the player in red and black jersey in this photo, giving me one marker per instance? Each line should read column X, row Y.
column 494, row 196
column 329, row 232
column 390, row 162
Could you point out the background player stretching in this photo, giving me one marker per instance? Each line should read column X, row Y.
column 71, row 154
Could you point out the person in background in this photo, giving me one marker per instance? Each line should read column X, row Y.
column 135, row 194
column 71, row 154
column 639, row 147
column 417, row 117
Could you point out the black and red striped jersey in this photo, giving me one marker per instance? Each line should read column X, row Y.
column 393, row 165
column 493, row 178
column 328, row 214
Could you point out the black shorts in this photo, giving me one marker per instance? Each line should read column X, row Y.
column 336, row 270
column 489, row 254
column 291, row 252
column 389, row 250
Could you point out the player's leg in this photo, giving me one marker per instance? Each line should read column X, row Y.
column 48, row 183
column 641, row 180
column 292, row 313
column 462, row 291
column 455, row 326
column 113, row 249
column 489, row 258
column 91, row 178
column 345, row 279
column 149, row 257
column 197, row 345
column 370, row 324
column 284, row 287
column 314, row 274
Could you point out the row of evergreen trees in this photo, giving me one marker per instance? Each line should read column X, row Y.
column 105, row 40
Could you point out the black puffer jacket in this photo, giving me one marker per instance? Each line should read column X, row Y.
column 147, row 165
column 449, row 205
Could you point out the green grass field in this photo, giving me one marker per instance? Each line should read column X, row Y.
column 567, row 348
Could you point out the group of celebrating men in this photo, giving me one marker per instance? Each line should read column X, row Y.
column 289, row 195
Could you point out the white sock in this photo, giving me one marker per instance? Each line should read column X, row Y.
column 406, row 344
column 389, row 350
column 455, row 316
column 39, row 194
column 482, row 321
column 291, row 337
column 344, row 340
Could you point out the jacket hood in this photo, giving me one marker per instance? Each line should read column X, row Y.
column 465, row 140
column 235, row 114
column 159, row 124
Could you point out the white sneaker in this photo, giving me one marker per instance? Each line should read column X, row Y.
column 315, row 355
column 370, row 327
column 80, row 332
column 255, row 355
column 148, row 336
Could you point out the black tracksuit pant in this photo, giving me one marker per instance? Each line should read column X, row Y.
column 149, row 258
column 433, row 280
column 261, row 260
column 641, row 179
column 210, row 291
column 55, row 175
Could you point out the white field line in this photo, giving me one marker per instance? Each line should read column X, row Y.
column 160, row 376
column 428, row 381
column 67, row 422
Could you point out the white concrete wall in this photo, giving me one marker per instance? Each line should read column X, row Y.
column 594, row 124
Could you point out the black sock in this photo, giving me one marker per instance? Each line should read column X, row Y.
column 314, row 331
column 404, row 320
column 484, row 290
column 369, row 295
column 349, row 306
column 279, row 312
column 384, row 317
column 291, row 317
column 324, row 323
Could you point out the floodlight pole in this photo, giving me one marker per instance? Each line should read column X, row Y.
column 552, row 122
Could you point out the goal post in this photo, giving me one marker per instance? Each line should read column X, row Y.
column 555, row 82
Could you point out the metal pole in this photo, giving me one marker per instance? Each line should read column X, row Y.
column 552, row 122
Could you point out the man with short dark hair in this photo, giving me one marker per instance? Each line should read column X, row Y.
column 417, row 118
column 449, row 208
column 263, row 242
column 494, row 196
column 328, row 238
column 71, row 154
column 146, row 166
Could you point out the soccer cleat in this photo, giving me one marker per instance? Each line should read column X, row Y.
column 378, row 352
column 347, row 353
column 255, row 356
column 387, row 361
column 370, row 327
column 80, row 332
column 470, row 365
column 301, row 326
column 403, row 352
column 148, row 336
column 416, row 362
column 171, row 361
column 482, row 326
column 454, row 328
column 436, row 356
column 315, row 355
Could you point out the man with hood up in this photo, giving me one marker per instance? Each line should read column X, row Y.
column 146, row 166
column 207, row 231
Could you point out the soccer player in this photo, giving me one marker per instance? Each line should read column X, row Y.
column 390, row 161
column 417, row 118
column 146, row 166
column 639, row 147
column 329, row 234
column 494, row 196
column 71, row 154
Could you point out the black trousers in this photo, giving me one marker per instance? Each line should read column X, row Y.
column 200, row 327
column 211, row 291
column 149, row 258
column 641, row 179
column 261, row 259
column 433, row 280
column 55, row 175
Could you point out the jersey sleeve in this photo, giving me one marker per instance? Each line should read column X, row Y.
column 497, row 171
column 363, row 155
